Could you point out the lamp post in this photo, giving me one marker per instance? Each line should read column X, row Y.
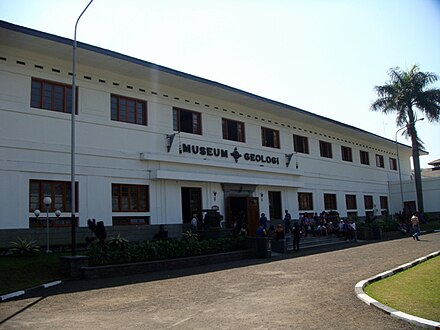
column 398, row 160
column 47, row 202
column 72, row 139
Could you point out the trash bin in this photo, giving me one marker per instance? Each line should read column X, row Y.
column 263, row 247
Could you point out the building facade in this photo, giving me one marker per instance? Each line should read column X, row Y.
column 155, row 146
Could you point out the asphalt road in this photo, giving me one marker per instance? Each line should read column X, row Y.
column 307, row 291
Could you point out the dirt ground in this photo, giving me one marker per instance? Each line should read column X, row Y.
column 306, row 291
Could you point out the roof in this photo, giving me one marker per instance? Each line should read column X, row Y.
column 130, row 66
column 435, row 162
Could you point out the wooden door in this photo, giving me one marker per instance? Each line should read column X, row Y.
column 252, row 215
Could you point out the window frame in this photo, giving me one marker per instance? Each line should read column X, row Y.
column 300, row 144
column 131, row 188
column 364, row 157
column 39, row 102
column 346, row 154
column 330, row 202
column 380, row 161
column 351, row 200
column 325, row 149
column 275, row 137
column 118, row 111
column 239, row 130
column 393, row 164
column 65, row 185
column 305, row 201
column 368, row 202
column 177, row 125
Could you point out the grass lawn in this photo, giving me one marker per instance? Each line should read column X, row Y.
column 415, row 291
column 18, row 273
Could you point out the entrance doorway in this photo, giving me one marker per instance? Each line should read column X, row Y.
column 243, row 210
column 191, row 203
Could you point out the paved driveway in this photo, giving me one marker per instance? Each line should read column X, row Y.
column 305, row 292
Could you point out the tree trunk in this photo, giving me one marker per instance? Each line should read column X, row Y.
column 417, row 172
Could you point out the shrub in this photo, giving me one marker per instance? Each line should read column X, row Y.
column 25, row 248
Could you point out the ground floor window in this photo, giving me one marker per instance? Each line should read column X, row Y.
column 305, row 201
column 330, row 202
column 275, row 210
column 384, row 204
column 350, row 201
column 368, row 201
column 191, row 203
column 130, row 198
column 58, row 191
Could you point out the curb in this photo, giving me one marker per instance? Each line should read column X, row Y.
column 22, row 292
column 359, row 291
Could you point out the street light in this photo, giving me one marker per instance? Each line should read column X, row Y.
column 47, row 202
column 72, row 139
column 398, row 160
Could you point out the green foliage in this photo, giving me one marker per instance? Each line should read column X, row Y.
column 118, row 250
column 24, row 247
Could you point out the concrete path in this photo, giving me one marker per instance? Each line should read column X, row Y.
column 308, row 291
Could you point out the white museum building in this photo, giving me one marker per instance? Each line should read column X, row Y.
column 155, row 146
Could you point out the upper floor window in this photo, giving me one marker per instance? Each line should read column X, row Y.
column 379, row 161
column 128, row 110
column 270, row 137
column 300, row 144
column 365, row 159
column 325, row 149
column 59, row 191
column 233, row 130
column 187, row 121
column 305, row 201
column 130, row 198
column 51, row 95
column 393, row 164
column 330, row 202
column 346, row 154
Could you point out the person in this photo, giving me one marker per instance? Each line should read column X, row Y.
column 296, row 236
column 263, row 221
column 261, row 232
column 271, row 231
column 194, row 222
column 415, row 226
column 287, row 222
column 279, row 232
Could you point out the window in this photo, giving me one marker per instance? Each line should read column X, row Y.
column 368, row 202
column 393, row 164
column 365, row 159
column 350, row 201
column 270, row 137
column 330, row 202
column 130, row 198
column 300, row 144
column 346, row 154
column 187, row 121
column 275, row 204
column 58, row 191
column 384, row 203
column 379, row 161
column 325, row 149
column 128, row 110
column 233, row 130
column 305, row 201
column 51, row 95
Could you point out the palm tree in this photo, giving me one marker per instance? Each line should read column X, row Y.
column 404, row 94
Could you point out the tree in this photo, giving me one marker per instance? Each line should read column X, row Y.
column 404, row 94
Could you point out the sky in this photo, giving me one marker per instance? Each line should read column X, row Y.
column 323, row 56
